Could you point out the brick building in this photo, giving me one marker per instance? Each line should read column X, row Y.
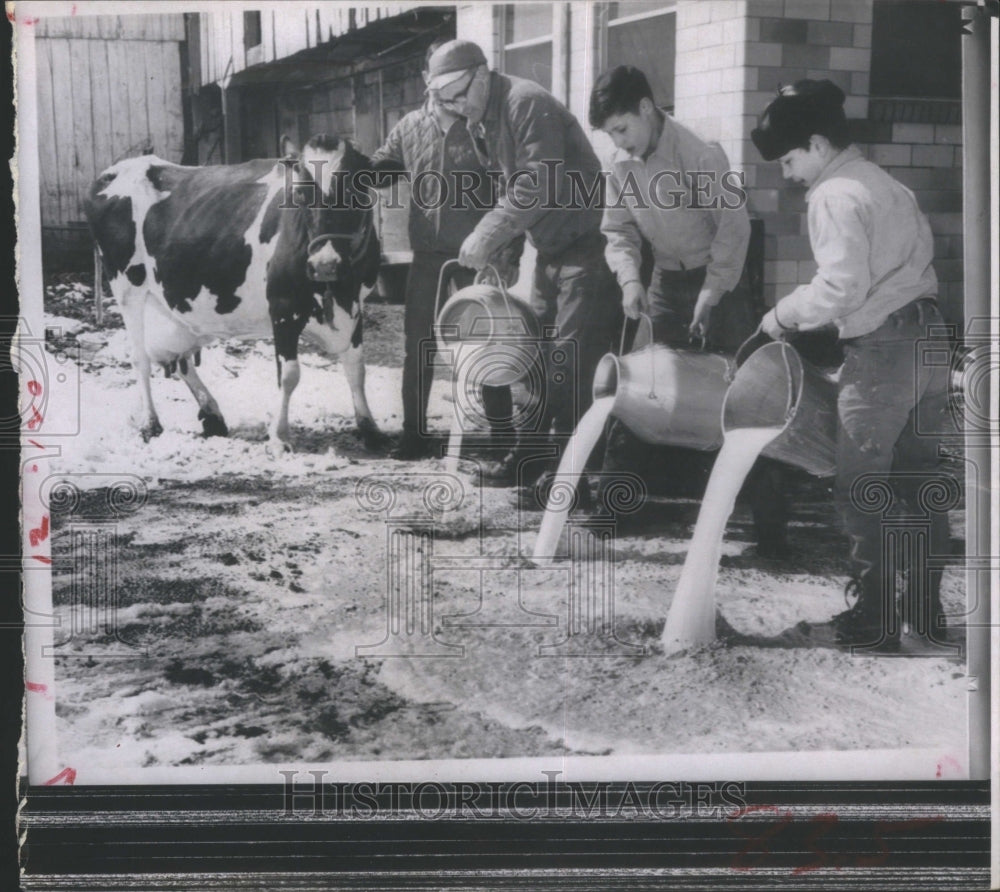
column 715, row 64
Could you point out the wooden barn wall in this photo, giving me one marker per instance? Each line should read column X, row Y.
column 283, row 33
column 362, row 106
column 108, row 87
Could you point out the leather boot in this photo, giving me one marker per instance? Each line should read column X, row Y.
column 872, row 623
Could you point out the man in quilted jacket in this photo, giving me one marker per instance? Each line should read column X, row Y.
column 553, row 193
column 431, row 139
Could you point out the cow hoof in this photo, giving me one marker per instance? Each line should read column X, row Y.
column 374, row 440
column 151, row 429
column 276, row 447
column 212, row 425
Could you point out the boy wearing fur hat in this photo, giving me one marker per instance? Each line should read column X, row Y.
column 875, row 283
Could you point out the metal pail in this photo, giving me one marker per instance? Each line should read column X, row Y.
column 667, row 396
column 501, row 331
column 775, row 387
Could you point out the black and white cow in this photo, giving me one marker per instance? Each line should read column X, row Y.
column 256, row 250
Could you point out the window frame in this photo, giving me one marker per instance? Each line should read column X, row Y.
column 603, row 23
column 505, row 11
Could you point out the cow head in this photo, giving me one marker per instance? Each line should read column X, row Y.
column 336, row 207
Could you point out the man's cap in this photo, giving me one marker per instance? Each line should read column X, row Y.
column 451, row 60
column 797, row 113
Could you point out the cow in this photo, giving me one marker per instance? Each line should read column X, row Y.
column 264, row 249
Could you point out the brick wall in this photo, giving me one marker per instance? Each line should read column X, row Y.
column 710, row 72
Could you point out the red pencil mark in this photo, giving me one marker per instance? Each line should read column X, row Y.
column 947, row 761
column 40, row 534
column 36, row 445
column 36, row 419
column 67, row 776
column 34, row 388
column 38, row 688
column 823, row 824
column 73, row 10
column 41, row 559
column 758, row 847
column 33, row 469
column 763, row 850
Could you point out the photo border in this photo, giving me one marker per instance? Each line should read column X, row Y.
column 172, row 836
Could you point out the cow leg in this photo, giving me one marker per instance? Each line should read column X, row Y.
column 290, row 374
column 286, row 344
column 212, row 423
column 354, row 369
column 132, row 313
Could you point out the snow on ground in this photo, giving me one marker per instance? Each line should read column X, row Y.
column 248, row 578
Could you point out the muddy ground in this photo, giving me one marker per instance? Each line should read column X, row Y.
column 244, row 580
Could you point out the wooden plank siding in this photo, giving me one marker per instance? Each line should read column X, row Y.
column 63, row 137
column 81, row 144
column 283, row 34
column 118, row 80
column 112, row 27
column 108, row 87
column 48, row 160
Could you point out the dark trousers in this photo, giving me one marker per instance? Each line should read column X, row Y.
column 418, row 324
column 892, row 407
column 672, row 295
column 578, row 305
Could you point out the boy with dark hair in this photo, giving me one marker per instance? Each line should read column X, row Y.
column 875, row 283
column 668, row 186
column 673, row 195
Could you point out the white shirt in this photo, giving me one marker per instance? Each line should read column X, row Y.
column 873, row 248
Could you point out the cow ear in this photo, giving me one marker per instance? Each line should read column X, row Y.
column 288, row 148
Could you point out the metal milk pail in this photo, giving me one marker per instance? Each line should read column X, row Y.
column 667, row 396
column 775, row 387
column 493, row 329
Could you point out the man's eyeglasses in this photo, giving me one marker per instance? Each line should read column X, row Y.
column 456, row 98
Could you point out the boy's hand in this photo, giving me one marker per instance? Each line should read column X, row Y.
column 707, row 299
column 633, row 299
column 769, row 325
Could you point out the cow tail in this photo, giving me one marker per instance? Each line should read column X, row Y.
column 277, row 361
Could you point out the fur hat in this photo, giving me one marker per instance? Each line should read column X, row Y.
column 797, row 113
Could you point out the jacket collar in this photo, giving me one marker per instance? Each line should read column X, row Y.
column 664, row 148
column 851, row 153
column 494, row 98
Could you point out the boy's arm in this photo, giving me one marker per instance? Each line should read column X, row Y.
column 728, row 251
column 842, row 251
column 624, row 249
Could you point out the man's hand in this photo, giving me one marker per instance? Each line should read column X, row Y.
column 707, row 298
column 473, row 252
column 633, row 299
column 509, row 272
